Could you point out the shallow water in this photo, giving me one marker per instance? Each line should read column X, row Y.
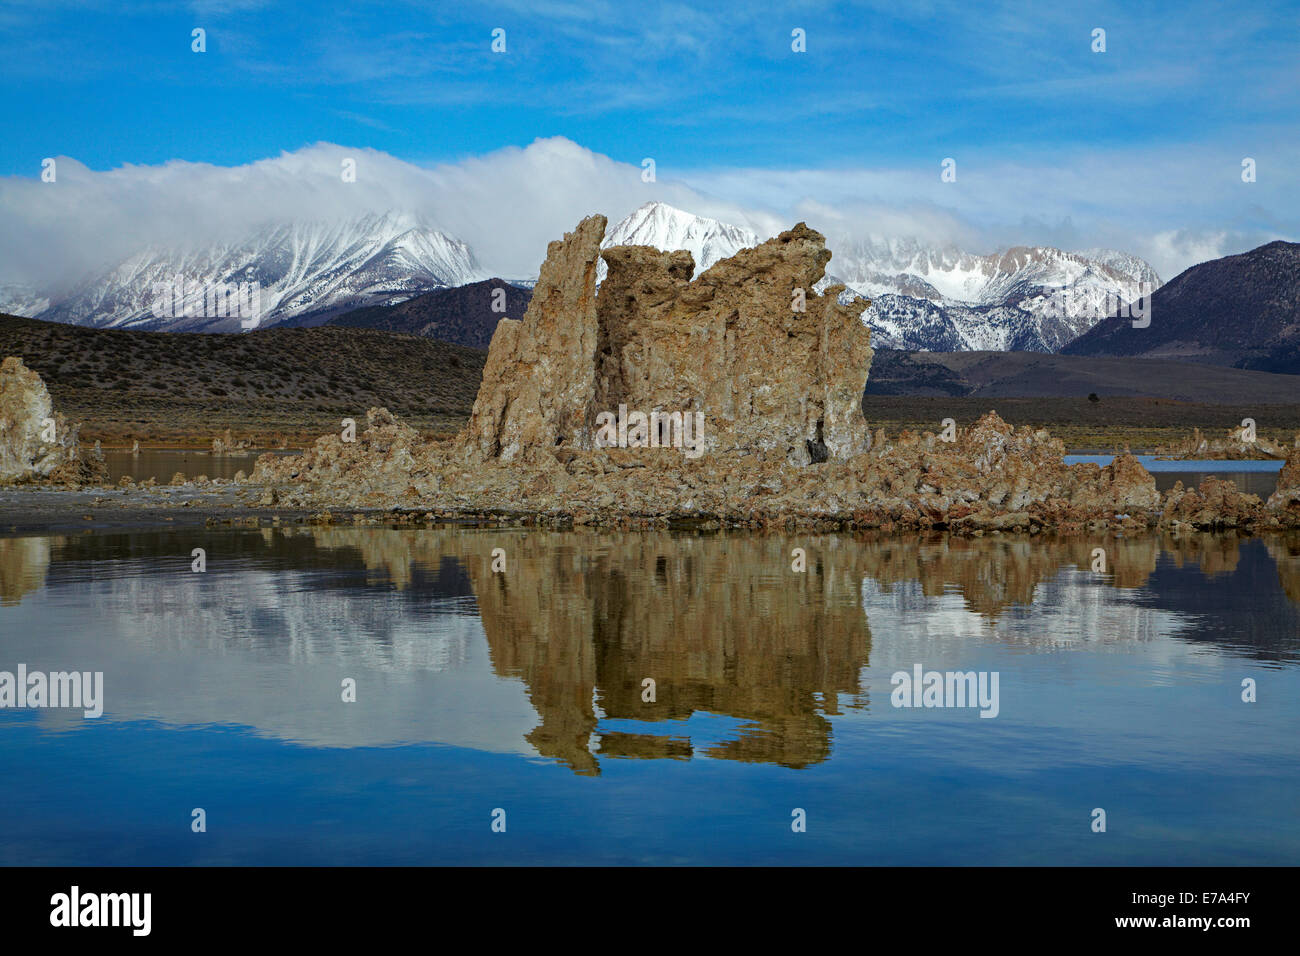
column 161, row 463
column 523, row 690
column 1252, row 477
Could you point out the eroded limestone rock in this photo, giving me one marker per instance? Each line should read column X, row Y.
column 1234, row 446
column 773, row 368
column 1286, row 497
column 540, row 374
column 780, row 389
column 36, row 442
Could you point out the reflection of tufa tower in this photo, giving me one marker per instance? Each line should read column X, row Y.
column 722, row 626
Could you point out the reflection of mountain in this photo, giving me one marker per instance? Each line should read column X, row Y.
column 1205, row 589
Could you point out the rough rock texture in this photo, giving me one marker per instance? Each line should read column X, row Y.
column 1214, row 504
column 1287, row 494
column 540, row 375
column 772, row 367
column 26, row 410
column 1232, row 447
column 227, row 446
column 382, row 459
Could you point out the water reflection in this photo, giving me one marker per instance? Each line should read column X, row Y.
column 750, row 660
column 23, row 564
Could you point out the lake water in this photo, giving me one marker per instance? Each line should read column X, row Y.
column 161, row 463
column 1252, row 477
column 523, row 691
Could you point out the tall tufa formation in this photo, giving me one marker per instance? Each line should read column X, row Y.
column 774, row 369
column 540, row 374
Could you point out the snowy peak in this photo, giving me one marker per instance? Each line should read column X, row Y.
column 890, row 266
column 300, row 270
column 667, row 228
column 1125, row 265
column 941, row 298
column 927, row 295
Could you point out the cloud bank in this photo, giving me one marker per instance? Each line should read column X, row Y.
column 1172, row 207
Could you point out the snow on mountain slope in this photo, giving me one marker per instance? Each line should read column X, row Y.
column 940, row 298
column 300, row 270
column 927, row 296
column 22, row 300
column 659, row 225
column 1124, row 264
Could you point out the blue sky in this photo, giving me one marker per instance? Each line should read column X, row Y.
column 716, row 95
column 712, row 85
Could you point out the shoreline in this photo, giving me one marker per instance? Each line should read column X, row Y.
column 40, row 510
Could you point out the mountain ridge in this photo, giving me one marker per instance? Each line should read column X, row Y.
column 299, row 271
column 924, row 296
column 1241, row 311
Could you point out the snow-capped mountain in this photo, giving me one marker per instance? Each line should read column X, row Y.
column 301, row 272
column 932, row 297
column 923, row 296
column 664, row 227
column 22, row 300
column 1124, row 264
column 941, row 298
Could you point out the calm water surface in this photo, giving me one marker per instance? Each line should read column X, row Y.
column 1252, row 477
column 523, row 690
column 161, row 463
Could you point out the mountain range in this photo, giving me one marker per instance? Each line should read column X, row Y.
column 933, row 297
column 304, row 273
column 923, row 296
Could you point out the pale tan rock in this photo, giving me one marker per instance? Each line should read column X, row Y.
column 1234, row 446
column 1287, row 494
column 27, row 420
column 773, row 367
column 540, row 374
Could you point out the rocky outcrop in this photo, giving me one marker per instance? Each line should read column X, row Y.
column 227, row 446
column 384, row 459
column 747, row 350
column 540, row 376
column 773, row 367
column 776, row 374
column 1214, row 504
column 1286, row 497
column 993, row 477
column 36, row 442
column 1235, row 446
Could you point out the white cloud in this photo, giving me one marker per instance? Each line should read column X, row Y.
column 507, row 205
column 1173, row 207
